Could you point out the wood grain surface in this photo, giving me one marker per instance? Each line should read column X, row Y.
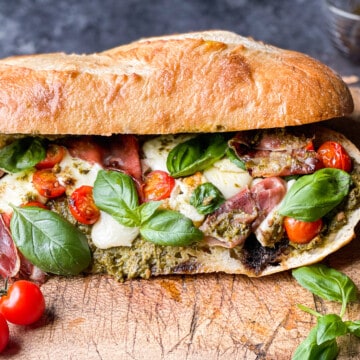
column 182, row 317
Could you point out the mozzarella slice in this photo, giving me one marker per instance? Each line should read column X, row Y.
column 75, row 172
column 107, row 232
column 180, row 197
column 227, row 177
column 156, row 150
column 17, row 189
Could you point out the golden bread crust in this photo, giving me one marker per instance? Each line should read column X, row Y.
column 200, row 82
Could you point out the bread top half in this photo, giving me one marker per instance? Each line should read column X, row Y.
column 213, row 81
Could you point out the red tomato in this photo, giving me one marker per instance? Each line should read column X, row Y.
column 301, row 232
column 47, row 184
column 35, row 203
column 4, row 333
column 23, row 303
column 54, row 155
column 310, row 146
column 333, row 155
column 158, row 185
column 82, row 206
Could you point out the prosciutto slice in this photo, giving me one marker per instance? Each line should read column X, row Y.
column 239, row 216
column 275, row 152
column 9, row 257
column 117, row 152
column 230, row 224
column 12, row 262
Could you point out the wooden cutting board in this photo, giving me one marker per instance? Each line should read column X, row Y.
column 182, row 317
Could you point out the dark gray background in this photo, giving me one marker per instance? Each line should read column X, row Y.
column 93, row 25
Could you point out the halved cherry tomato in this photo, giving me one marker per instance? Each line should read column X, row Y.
column 82, row 206
column 333, row 155
column 54, row 155
column 23, row 303
column 47, row 184
column 158, row 185
column 35, row 203
column 4, row 333
column 301, row 232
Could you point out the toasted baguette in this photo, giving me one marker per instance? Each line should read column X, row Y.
column 198, row 82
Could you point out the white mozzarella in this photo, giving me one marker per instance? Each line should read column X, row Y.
column 180, row 200
column 156, row 150
column 227, row 177
column 17, row 189
column 75, row 172
column 107, row 233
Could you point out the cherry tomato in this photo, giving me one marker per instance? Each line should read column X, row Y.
column 82, row 206
column 4, row 333
column 333, row 155
column 23, row 303
column 54, row 155
column 47, row 184
column 158, row 185
column 310, row 146
column 35, row 203
column 301, row 232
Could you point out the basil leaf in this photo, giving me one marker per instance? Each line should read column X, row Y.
column 196, row 154
column 330, row 326
column 310, row 350
column 167, row 227
column 206, row 198
column 49, row 242
column 327, row 283
column 115, row 193
column 22, row 154
column 353, row 327
column 230, row 153
column 313, row 196
column 146, row 210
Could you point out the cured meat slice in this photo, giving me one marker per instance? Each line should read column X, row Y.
column 239, row 216
column 275, row 153
column 230, row 225
column 9, row 257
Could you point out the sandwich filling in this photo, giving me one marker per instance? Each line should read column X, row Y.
column 136, row 206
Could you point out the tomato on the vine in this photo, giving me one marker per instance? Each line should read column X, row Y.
column 82, row 205
column 4, row 333
column 301, row 232
column 23, row 303
column 333, row 155
column 158, row 185
column 47, row 184
column 54, row 155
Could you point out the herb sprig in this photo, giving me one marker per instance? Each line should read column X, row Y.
column 329, row 284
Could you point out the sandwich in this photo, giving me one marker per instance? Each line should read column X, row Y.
column 184, row 154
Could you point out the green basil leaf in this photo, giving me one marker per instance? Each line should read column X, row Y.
column 330, row 326
column 167, row 227
column 326, row 282
column 313, row 196
column 230, row 153
column 206, row 198
column 353, row 327
column 310, row 350
column 146, row 210
column 115, row 193
column 49, row 241
column 196, row 154
column 22, row 154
